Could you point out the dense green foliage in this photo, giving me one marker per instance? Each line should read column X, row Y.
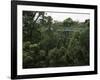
column 48, row 43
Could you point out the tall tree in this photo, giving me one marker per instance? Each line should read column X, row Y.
column 30, row 20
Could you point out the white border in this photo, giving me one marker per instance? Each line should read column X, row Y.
column 21, row 71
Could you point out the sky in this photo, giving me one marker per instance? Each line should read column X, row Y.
column 62, row 16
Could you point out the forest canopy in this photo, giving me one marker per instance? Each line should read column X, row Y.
column 53, row 43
